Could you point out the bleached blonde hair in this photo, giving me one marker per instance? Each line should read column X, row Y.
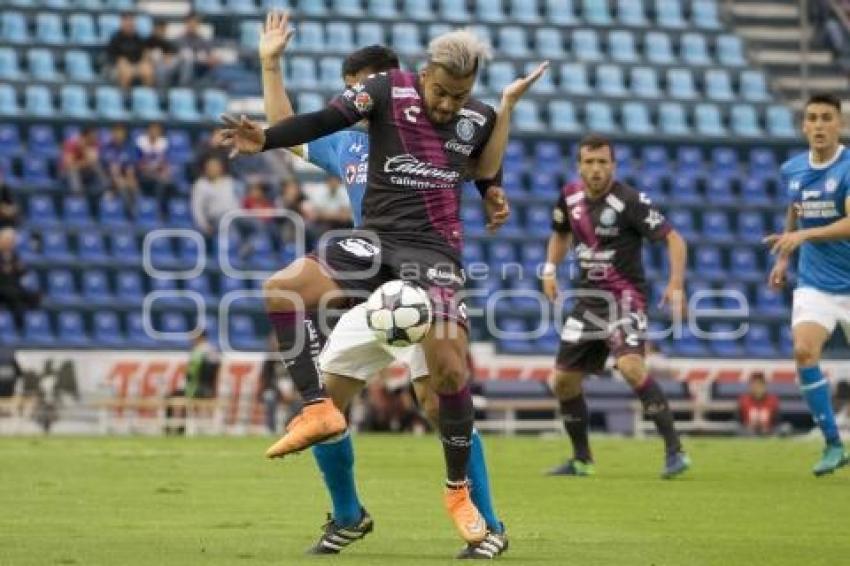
column 459, row 52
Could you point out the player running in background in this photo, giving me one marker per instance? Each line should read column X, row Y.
column 352, row 354
column 608, row 221
column 818, row 223
column 426, row 136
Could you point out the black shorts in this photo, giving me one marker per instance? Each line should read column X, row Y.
column 361, row 263
column 590, row 334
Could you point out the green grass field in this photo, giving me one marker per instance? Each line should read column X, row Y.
column 165, row 501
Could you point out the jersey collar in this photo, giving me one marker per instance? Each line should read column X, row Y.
column 829, row 163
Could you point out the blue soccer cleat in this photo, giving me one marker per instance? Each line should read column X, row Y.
column 834, row 457
column 675, row 464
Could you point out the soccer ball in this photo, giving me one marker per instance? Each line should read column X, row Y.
column 399, row 313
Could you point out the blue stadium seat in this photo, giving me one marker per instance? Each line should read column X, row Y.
column 81, row 30
column 10, row 140
column 174, row 323
column 708, row 263
column 382, row 9
column 730, row 51
column 513, row 42
column 489, row 11
column 179, row 215
column 680, row 84
column 42, row 141
column 544, row 84
column 539, row 218
column 129, row 288
column 762, row 162
column 636, row 119
column 309, row 102
column 162, row 254
column 609, row 80
column 668, row 14
column 599, row 117
column 61, row 287
column 744, row 121
column 310, row 37
column 370, row 33
column 107, row 331
column 36, row 173
column 702, row 295
column 71, row 330
column 754, row 191
column 38, row 101
column 726, row 347
column 733, row 295
column 74, row 101
column 418, row 10
column 657, row 48
column 144, row 103
column 454, row 11
column 96, row 288
column 311, row 8
column 208, row 6
column 596, row 12
column 780, row 122
column 241, row 6
column 549, row 43
column 215, row 103
column 302, row 72
column 644, row 82
column 684, row 191
column 708, row 120
column 37, row 329
column 182, row 104
column 631, row 13
column 10, row 68
column 42, row 212
column 586, row 45
column 560, row 12
column 526, row 117
column 201, row 285
column 231, row 284
column 683, row 221
column 13, row 28
column 724, row 162
column 693, row 49
column 672, row 120
column 758, row 342
column 745, row 265
column 249, row 34
column 8, row 330
column 770, row 302
column 786, row 342
column 689, row 160
column 514, row 337
column 188, row 252
column 621, row 46
column 136, row 335
column 655, row 159
column 573, row 79
column 499, row 75
column 48, row 29
column 92, row 248
column 526, row 11
column 718, row 85
column 109, row 102
column 343, row 37
column 689, row 346
column 716, row 227
column 180, row 149
column 243, row 335
column 405, row 39
column 704, row 15
column 754, row 86
column 147, row 213
column 111, row 212
column 547, row 157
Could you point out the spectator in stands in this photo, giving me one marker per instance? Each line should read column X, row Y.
column 161, row 52
column 197, row 57
column 13, row 295
column 9, row 211
column 209, row 147
column 215, row 194
column 829, row 31
column 10, row 373
column 119, row 160
column 125, row 53
column 329, row 201
column 757, row 408
column 154, row 172
column 81, row 165
column 292, row 198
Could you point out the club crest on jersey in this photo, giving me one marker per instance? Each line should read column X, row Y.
column 465, row 129
column 608, row 217
column 359, row 247
column 363, row 102
column 831, row 185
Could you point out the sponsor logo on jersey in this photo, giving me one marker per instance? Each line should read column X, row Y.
column 476, row 117
column 607, row 231
column 444, row 276
column 465, row 129
column 409, row 165
column 404, row 92
column 608, row 217
column 831, row 185
column 411, row 112
column 457, row 147
column 363, row 102
column 350, row 174
column 359, row 247
column 356, row 147
column 812, row 193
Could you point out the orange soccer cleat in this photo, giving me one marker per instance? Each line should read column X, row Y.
column 468, row 521
column 316, row 422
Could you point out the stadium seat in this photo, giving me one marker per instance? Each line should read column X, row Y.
column 688, row 345
column 595, row 12
column 586, row 45
column 182, row 104
column 758, row 342
column 81, row 30
column 96, row 289
column 786, row 342
column 539, row 218
column 453, row 11
column 38, row 101
column 382, row 9
column 10, row 68
column 36, row 174
column 144, row 103
column 657, row 48
column 405, row 39
column 8, row 330
column 61, row 288
column 609, row 80
column 754, row 191
column 243, row 335
column 672, row 119
column 780, row 122
column 544, row 84
column 683, row 221
column 136, row 335
column 762, row 162
column 201, row 285
column 573, row 79
column 745, row 265
column 418, row 10
column 107, row 25
column 562, row 117
column 644, row 82
column 513, row 337
column 13, row 28
column 215, row 104
column 55, row 247
column 549, row 43
column 526, row 117
column 125, row 249
column 129, row 288
column 342, row 34
column 489, row 11
column 718, row 85
column 770, row 302
column 754, row 86
column 723, row 344
column 526, row 11
column 249, row 34
column 689, row 160
column 147, row 213
column 241, row 7
column 621, row 46
column 370, row 33
column 513, row 42
column 704, row 15
column 111, row 212
column 302, row 73
column 684, row 191
column 680, row 84
column 37, row 329
column 730, row 51
column 744, row 121
column 10, row 140
column 92, row 249
column 499, row 75
column 636, row 119
column 708, row 121
column 599, row 117
column 311, row 8
column 693, row 49
column 310, row 37
column 74, row 102
column 162, row 254
column 668, row 14
column 631, row 13
column 560, row 12
column 716, row 227
column 109, row 102
column 48, row 29
column 107, row 331
column 702, row 295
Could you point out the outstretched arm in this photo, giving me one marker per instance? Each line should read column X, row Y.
column 245, row 136
column 273, row 40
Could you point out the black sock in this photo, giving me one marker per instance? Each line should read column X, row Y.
column 299, row 341
column 576, row 422
column 655, row 407
column 455, row 421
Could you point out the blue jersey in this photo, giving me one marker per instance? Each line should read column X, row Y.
column 819, row 192
column 344, row 154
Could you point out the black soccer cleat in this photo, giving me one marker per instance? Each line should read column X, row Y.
column 335, row 538
column 493, row 545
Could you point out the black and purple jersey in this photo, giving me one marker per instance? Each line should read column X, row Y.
column 608, row 234
column 416, row 167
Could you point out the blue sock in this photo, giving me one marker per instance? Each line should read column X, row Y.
column 480, row 488
column 336, row 461
column 815, row 390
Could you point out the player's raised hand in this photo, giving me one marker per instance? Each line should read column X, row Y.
column 784, row 244
column 275, row 35
column 779, row 274
column 497, row 208
column 243, row 136
column 674, row 298
column 514, row 91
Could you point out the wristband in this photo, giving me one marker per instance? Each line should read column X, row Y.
column 549, row 269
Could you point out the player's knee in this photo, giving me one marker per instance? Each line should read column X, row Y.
column 567, row 385
column 632, row 368
column 805, row 353
column 274, row 296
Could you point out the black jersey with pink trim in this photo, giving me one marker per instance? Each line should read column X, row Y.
column 416, row 167
column 608, row 234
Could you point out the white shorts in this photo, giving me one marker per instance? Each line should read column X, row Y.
column 353, row 351
column 825, row 309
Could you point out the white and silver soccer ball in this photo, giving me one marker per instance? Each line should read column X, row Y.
column 399, row 313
